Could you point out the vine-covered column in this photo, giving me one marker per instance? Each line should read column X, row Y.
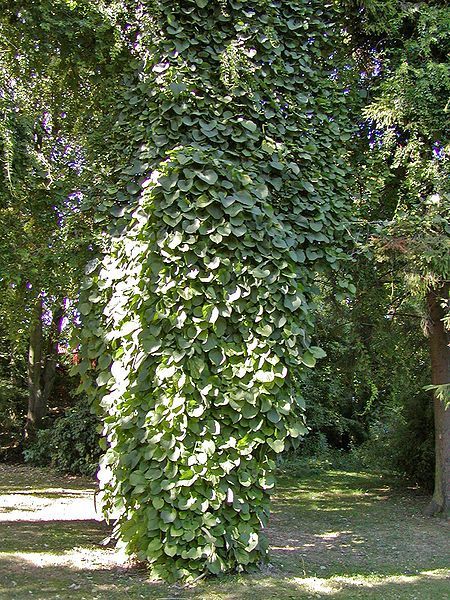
column 228, row 196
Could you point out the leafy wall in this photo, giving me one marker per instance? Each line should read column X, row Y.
column 227, row 190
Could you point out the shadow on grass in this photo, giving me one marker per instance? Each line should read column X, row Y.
column 335, row 522
column 51, row 493
column 50, row 536
column 423, row 586
column 342, row 492
column 21, row 578
column 27, row 479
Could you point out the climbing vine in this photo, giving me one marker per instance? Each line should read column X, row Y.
column 227, row 196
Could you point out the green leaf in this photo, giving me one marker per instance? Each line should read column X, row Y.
column 197, row 366
column 250, row 125
column 260, row 273
column 264, row 330
column 151, row 344
column 133, row 188
column 212, row 263
column 168, row 516
column 216, row 356
column 276, row 445
column 298, row 430
column 317, row 352
column 193, row 226
column 264, row 376
column 308, row 187
column 174, row 240
column 170, row 549
column 273, row 416
column 308, row 359
column 233, row 294
column 163, row 372
column 177, row 88
column 209, row 176
column 204, row 200
column 228, row 201
column 292, row 302
column 84, row 308
column 316, row 225
column 213, row 315
column 158, row 502
column 215, row 566
column 103, row 378
column 185, row 184
column 262, row 191
column 154, row 546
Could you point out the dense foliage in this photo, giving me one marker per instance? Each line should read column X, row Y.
column 70, row 445
column 405, row 179
column 408, row 118
column 42, row 229
column 198, row 320
column 54, row 85
column 366, row 399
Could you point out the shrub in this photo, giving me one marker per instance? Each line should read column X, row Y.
column 403, row 442
column 71, row 445
column 12, row 414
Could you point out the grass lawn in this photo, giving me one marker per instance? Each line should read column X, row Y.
column 335, row 534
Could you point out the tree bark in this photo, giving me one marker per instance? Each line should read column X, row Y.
column 41, row 366
column 35, row 409
column 440, row 373
column 49, row 370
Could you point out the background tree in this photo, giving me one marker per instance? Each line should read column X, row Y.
column 51, row 94
column 365, row 402
column 404, row 49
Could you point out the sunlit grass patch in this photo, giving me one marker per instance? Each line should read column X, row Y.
column 76, row 558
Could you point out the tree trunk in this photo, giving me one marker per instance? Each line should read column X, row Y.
column 440, row 373
column 35, row 408
column 49, row 370
column 41, row 366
